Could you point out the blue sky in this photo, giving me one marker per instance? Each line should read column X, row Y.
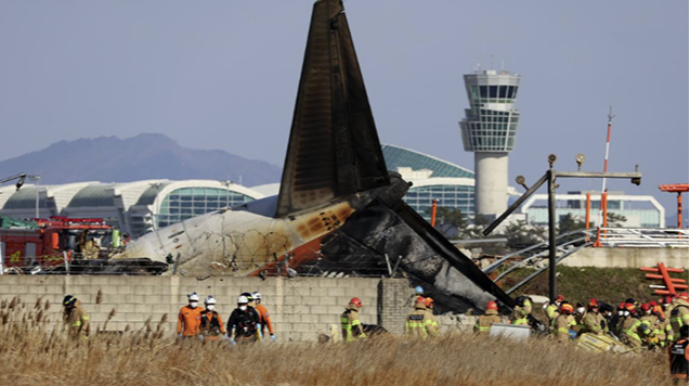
column 223, row 74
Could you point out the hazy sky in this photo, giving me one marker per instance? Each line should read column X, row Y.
column 223, row 74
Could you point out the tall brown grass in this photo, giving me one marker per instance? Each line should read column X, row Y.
column 32, row 355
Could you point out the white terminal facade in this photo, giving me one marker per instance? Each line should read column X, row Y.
column 489, row 130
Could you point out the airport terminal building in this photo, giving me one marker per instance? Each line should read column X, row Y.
column 134, row 207
column 432, row 178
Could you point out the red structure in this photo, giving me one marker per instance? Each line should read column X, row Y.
column 47, row 242
column 680, row 189
column 671, row 284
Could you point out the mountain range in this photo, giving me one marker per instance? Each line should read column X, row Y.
column 145, row 156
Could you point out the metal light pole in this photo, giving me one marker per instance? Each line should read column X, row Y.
column 551, row 186
column 550, row 178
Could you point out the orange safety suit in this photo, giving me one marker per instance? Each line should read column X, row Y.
column 189, row 320
column 265, row 319
column 211, row 325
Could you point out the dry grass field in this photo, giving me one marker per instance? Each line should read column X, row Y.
column 29, row 355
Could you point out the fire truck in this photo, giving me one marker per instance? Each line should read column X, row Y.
column 53, row 242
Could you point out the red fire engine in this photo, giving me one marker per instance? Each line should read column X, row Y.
column 52, row 240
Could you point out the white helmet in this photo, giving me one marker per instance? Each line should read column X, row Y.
column 210, row 300
column 256, row 295
column 193, row 297
column 242, row 300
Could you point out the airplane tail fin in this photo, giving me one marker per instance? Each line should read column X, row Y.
column 334, row 148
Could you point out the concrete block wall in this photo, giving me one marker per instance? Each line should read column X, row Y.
column 300, row 308
column 628, row 257
column 395, row 302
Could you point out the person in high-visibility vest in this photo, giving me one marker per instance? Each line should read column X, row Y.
column 523, row 308
column 564, row 323
column 350, row 324
column 653, row 326
column 75, row 318
column 631, row 327
column 579, row 316
column 667, row 306
column 420, row 322
column 678, row 356
column 484, row 322
column 552, row 309
column 594, row 321
column 679, row 314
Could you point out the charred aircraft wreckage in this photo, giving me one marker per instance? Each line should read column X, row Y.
column 337, row 200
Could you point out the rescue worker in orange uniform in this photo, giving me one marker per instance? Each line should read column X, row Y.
column 420, row 322
column 263, row 315
column 75, row 318
column 678, row 356
column 189, row 318
column 564, row 322
column 484, row 322
column 211, row 325
column 350, row 324
column 594, row 321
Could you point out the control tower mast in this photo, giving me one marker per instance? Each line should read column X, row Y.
column 489, row 130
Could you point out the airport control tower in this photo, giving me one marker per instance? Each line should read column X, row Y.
column 489, row 130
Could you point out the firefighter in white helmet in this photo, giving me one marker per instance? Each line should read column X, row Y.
column 264, row 317
column 211, row 326
column 243, row 325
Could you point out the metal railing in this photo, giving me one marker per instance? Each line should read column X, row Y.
column 571, row 242
column 642, row 237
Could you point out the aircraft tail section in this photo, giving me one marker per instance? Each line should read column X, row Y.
column 334, row 148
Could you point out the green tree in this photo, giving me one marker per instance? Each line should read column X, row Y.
column 521, row 235
column 615, row 220
column 567, row 224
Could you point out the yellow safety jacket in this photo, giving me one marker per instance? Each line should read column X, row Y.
column 421, row 323
column 350, row 324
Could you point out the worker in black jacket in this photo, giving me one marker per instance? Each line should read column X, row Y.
column 244, row 323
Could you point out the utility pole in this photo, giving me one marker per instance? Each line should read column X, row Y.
column 552, row 228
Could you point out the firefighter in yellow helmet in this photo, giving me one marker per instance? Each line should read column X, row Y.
column 349, row 321
column 421, row 322
column 564, row 322
column 484, row 322
column 75, row 317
